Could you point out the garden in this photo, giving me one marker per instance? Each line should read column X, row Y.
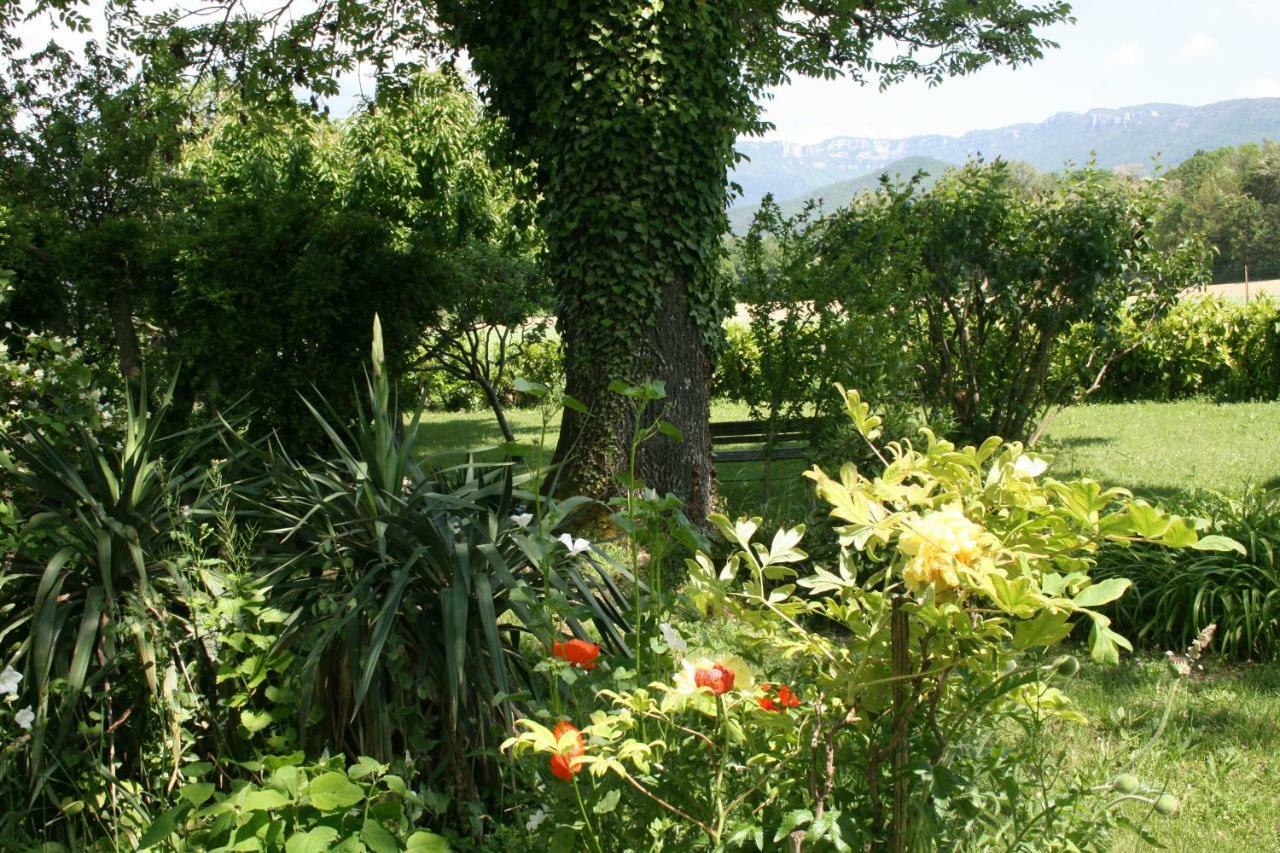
column 446, row 477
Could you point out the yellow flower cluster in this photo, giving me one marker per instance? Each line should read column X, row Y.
column 939, row 543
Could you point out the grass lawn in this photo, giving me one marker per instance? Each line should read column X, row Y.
column 1219, row 752
column 1160, row 448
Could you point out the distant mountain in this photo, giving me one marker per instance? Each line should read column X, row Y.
column 1121, row 137
column 840, row 193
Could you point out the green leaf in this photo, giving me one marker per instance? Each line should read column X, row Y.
column 264, row 801
column 378, row 837
column 1044, row 630
column 426, row 842
column 254, row 721
column 608, row 802
column 332, row 792
column 1220, row 543
column 318, row 840
column 196, row 793
column 163, row 827
column 1102, row 592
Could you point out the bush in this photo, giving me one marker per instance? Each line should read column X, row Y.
column 964, row 293
column 1177, row 594
column 1204, row 346
column 869, row 704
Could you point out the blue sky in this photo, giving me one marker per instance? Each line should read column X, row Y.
column 1118, row 53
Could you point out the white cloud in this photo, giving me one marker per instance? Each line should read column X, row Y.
column 1126, row 57
column 1262, row 87
column 1199, row 46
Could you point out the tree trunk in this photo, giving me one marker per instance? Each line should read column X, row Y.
column 120, row 310
column 592, row 447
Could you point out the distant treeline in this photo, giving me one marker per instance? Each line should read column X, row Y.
column 1232, row 197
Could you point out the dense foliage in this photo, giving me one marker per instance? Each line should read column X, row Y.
column 1232, row 196
column 1176, row 596
column 1203, row 347
column 259, row 239
column 965, row 294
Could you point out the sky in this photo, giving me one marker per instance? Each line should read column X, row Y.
column 1118, row 53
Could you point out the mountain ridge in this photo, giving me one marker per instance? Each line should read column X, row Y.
column 1121, row 136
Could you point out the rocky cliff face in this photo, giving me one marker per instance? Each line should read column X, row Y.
column 1129, row 136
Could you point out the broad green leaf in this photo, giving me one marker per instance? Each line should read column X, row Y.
column 264, row 801
column 607, row 803
column 426, row 842
column 379, row 838
column 318, row 840
column 163, row 827
column 1219, row 543
column 331, row 792
column 196, row 793
column 1102, row 592
column 1045, row 629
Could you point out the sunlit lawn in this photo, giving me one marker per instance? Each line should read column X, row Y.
column 1158, row 448
column 1219, row 752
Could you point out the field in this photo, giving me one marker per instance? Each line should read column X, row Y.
column 1219, row 750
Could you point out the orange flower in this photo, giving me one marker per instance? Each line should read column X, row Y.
column 718, row 678
column 782, row 699
column 579, row 653
column 565, row 765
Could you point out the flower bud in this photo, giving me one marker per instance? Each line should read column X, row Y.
column 1167, row 805
column 1126, row 783
column 1067, row 666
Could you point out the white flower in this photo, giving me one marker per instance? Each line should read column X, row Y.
column 25, row 717
column 672, row 638
column 522, row 520
column 9, row 680
column 1029, row 467
column 535, row 820
column 575, row 546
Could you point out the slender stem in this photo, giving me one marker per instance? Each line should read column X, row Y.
column 722, row 732
column 591, row 832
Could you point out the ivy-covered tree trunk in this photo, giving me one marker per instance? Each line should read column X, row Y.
column 630, row 111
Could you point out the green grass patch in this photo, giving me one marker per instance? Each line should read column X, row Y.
column 1158, row 449
column 1218, row 752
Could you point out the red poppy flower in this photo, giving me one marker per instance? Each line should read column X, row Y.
column 565, row 765
column 579, row 653
column 782, row 699
column 719, row 678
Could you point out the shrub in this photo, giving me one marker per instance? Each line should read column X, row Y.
column 963, row 293
column 410, row 585
column 98, row 622
column 290, row 804
column 1177, row 594
column 1204, row 346
column 878, row 709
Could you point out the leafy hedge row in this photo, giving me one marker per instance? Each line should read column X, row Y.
column 1205, row 346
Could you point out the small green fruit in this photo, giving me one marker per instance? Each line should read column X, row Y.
column 1126, row 783
column 1067, row 666
column 1167, row 805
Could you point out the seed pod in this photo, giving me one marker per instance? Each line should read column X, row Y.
column 1067, row 666
column 1167, row 805
column 1126, row 783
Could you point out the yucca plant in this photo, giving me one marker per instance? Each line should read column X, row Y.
column 1176, row 595
column 95, row 606
column 407, row 592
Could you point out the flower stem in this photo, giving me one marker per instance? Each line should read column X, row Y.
column 591, row 832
